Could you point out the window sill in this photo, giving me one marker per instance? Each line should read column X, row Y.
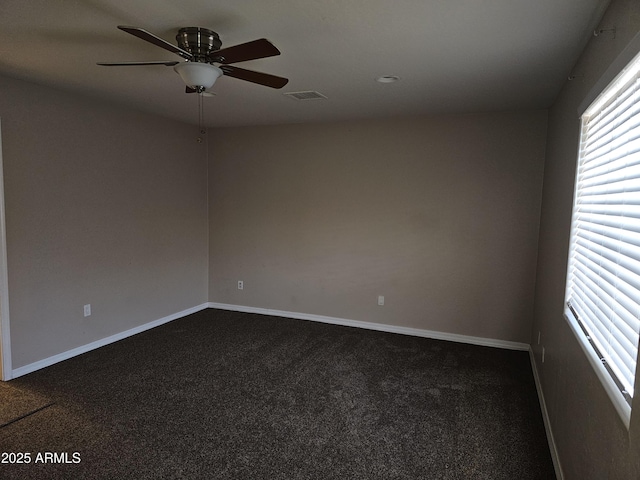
column 619, row 402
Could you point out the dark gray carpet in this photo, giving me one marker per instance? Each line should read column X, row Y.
column 224, row 395
column 16, row 403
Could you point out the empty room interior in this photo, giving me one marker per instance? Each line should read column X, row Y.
column 403, row 169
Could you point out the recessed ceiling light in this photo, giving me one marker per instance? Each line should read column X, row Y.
column 387, row 79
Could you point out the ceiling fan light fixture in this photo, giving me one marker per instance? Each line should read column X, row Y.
column 197, row 74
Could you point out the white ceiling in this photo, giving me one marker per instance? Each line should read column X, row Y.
column 451, row 55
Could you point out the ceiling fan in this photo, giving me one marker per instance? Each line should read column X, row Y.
column 200, row 49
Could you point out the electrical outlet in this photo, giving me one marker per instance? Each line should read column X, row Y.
column 380, row 300
column 87, row 310
column 240, row 285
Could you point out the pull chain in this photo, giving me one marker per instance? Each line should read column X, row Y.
column 201, row 129
column 201, row 113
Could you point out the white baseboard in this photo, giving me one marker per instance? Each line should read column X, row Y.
column 32, row 367
column 488, row 342
column 416, row 332
column 545, row 417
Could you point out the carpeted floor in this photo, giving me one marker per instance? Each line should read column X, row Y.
column 16, row 403
column 223, row 395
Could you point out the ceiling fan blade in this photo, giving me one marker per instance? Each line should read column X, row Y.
column 133, row 64
column 157, row 41
column 245, row 51
column 189, row 89
column 254, row 77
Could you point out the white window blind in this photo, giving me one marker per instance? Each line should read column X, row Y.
column 603, row 279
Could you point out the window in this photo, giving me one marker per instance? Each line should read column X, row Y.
column 603, row 278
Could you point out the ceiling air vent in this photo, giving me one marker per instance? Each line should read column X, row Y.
column 308, row 95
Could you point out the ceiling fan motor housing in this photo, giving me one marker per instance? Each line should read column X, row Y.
column 198, row 41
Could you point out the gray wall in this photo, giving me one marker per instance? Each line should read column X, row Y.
column 440, row 215
column 104, row 206
column 592, row 441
